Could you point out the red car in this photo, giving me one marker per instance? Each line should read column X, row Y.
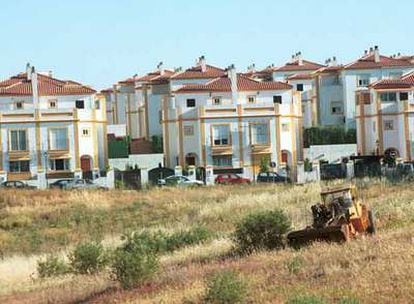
column 231, row 179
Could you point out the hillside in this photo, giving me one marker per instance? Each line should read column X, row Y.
column 369, row 270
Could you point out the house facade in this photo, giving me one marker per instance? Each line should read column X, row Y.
column 233, row 123
column 371, row 67
column 385, row 118
column 52, row 127
column 299, row 73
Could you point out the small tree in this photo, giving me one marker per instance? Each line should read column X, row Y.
column 88, row 258
column 261, row 230
column 264, row 164
column 225, row 288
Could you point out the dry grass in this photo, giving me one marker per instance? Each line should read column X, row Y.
column 372, row 270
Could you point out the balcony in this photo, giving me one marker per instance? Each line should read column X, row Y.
column 260, row 148
column 222, row 150
column 19, row 155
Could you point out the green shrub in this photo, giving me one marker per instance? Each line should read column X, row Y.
column 261, row 230
column 160, row 242
column 52, row 266
column 225, row 288
column 304, row 299
column 328, row 136
column 134, row 263
column 88, row 258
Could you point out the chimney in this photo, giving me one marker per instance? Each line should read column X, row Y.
column 160, row 68
column 334, row 62
column 366, row 52
column 35, row 92
column 28, row 71
column 371, row 50
column 251, row 68
column 50, row 73
column 376, row 54
column 202, row 63
column 232, row 74
column 299, row 58
column 293, row 59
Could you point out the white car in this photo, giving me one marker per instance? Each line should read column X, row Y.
column 179, row 180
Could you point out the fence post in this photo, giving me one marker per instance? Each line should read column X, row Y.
column 110, row 179
column 192, row 172
column 300, row 169
column 41, row 179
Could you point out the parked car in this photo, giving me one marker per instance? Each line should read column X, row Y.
column 83, row 184
column 16, row 185
column 179, row 180
column 272, row 177
column 231, row 179
column 60, row 184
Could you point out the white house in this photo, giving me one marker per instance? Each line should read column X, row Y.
column 232, row 122
column 50, row 127
column 385, row 118
column 371, row 67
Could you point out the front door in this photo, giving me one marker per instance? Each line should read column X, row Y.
column 86, row 163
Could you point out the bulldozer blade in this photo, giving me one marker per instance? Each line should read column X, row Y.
column 306, row 236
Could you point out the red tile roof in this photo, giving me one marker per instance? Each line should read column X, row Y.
column 197, row 73
column 330, row 69
column 296, row 66
column 368, row 62
column 47, row 86
column 156, row 75
column 405, row 82
column 223, row 84
column 300, row 76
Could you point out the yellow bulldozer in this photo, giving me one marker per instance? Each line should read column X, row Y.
column 339, row 217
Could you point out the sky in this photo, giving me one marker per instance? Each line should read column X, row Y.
column 101, row 42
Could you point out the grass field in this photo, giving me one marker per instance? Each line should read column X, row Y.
column 369, row 270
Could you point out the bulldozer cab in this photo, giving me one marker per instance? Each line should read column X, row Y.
column 345, row 196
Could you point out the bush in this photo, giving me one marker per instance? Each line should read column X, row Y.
column 160, row 242
column 88, row 258
column 328, row 136
column 306, row 300
column 224, row 288
column 52, row 266
column 134, row 263
column 261, row 230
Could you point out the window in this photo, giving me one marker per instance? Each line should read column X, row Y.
column 336, row 108
column 52, row 104
column 363, row 81
column 388, row 125
column 97, row 104
column 251, row 99
column 285, row 127
column 221, row 135
column 18, row 105
column 217, row 101
column 188, row 130
column 80, row 104
column 403, row 96
column 191, row 103
column 374, row 127
column 85, row 132
column 388, row 97
column 58, row 139
column 19, row 166
column 259, row 134
column 59, row 164
column 277, row 99
column 299, row 87
column 222, row 161
column 18, row 140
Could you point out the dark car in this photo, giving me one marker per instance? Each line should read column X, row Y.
column 231, row 179
column 60, row 184
column 272, row 177
column 16, row 185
